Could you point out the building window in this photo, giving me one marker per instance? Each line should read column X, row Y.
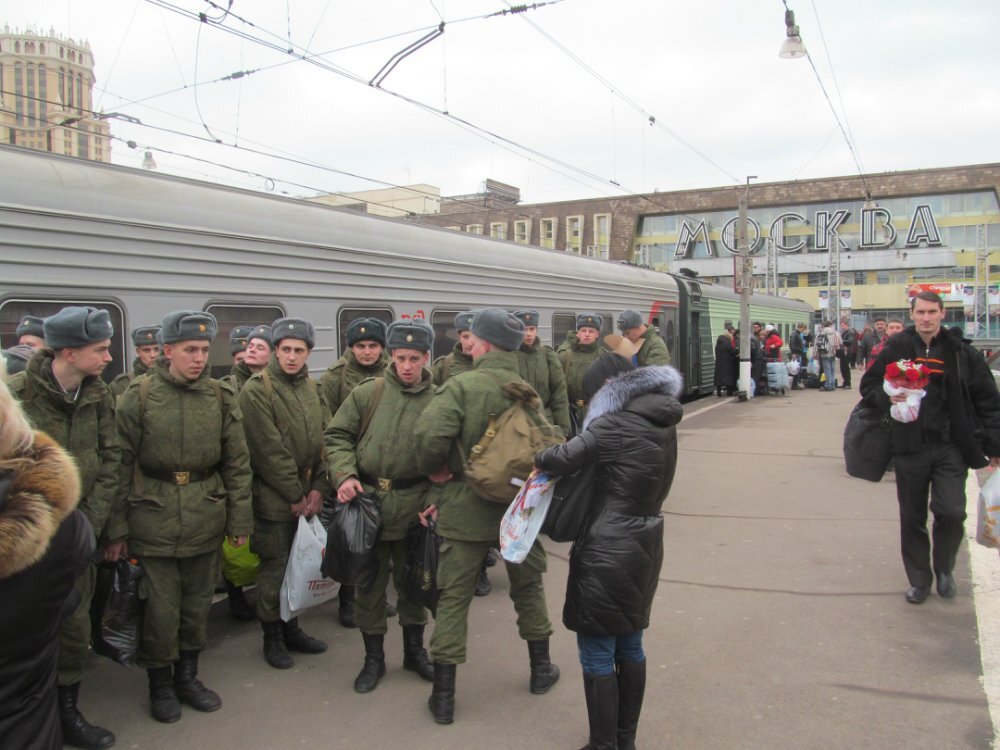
column 574, row 233
column 455, row 227
column 791, row 280
column 882, row 277
column 498, row 230
column 43, row 95
column 642, row 257
column 602, row 236
column 474, row 228
column 547, row 233
column 562, row 324
column 522, row 232
column 818, row 278
column 19, row 93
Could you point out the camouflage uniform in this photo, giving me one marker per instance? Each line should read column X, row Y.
column 653, row 351
column 120, row 383
column 575, row 358
column 451, row 364
column 237, row 377
column 344, row 375
column 540, row 367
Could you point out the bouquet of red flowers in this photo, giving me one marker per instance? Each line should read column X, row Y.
column 906, row 378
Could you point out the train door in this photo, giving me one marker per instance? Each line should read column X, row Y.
column 694, row 353
column 663, row 318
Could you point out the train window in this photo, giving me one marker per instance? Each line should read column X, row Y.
column 347, row 314
column 11, row 311
column 445, row 335
column 220, row 361
column 562, row 324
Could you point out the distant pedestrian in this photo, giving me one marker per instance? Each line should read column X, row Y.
column 726, row 364
column 828, row 343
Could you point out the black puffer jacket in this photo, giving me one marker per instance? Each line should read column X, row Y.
column 615, row 565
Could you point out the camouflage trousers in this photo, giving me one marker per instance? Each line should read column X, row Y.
column 271, row 541
column 74, row 633
column 177, row 592
column 370, row 605
column 458, row 571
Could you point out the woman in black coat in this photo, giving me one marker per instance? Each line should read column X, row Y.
column 45, row 544
column 615, row 564
column 726, row 367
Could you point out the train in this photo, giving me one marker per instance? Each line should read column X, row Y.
column 140, row 244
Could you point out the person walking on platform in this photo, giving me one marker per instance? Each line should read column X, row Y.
column 251, row 352
column 184, row 484
column 30, row 338
column 934, row 453
column 283, row 419
column 652, row 349
column 615, row 563
column 451, row 425
column 370, row 448
column 62, row 394
column 798, row 345
column 575, row 355
column 146, row 340
column 458, row 359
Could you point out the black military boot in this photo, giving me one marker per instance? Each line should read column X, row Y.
column 483, row 585
column 163, row 702
column 544, row 674
column 189, row 687
column 345, row 611
column 374, row 668
column 442, row 700
column 415, row 658
column 601, row 691
column 275, row 652
column 631, row 689
column 77, row 731
column 239, row 607
column 296, row 640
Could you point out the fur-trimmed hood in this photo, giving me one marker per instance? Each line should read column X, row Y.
column 41, row 495
column 616, row 394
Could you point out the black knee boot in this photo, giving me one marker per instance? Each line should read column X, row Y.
column 77, row 731
column 189, row 688
column 601, row 692
column 631, row 689
column 415, row 658
column 275, row 652
column 163, row 702
column 544, row 674
column 374, row 667
column 442, row 700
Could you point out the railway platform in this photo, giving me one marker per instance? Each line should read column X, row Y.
column 779, row 622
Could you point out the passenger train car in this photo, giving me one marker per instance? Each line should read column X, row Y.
column 141, row 244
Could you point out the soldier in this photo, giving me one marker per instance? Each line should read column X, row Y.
column 365, row 358
column 458, row 360
column 575, row 355
column 652, row 350
column 30, row 338
column 369, row 448
column 146, row 341
column 184, row 484
column 251, row 350
column 450, row 426
column 283, row 418
column 63, row 395
column 540, row 367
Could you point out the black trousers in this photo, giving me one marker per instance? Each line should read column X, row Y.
column 845, row 369
column 940, row 469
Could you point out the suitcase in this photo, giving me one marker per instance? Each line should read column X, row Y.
column 777, row 377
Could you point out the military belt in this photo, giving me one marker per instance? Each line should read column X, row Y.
column 180, row 478
column 387, row 485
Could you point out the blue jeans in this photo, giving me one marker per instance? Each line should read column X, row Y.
column 829, row 364
column 598, row 653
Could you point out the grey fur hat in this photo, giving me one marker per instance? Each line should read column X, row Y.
column 73, row 327
column 410, row 334
column 293, row 328
column 589, row 320
column 366, row 329
column 528, row 317
column 188, row 325
column 29, row 325
column 238, row 338
column 463, row 321
column 262, row 332
column 499, row 328
column 629, row 319
column 146, row 336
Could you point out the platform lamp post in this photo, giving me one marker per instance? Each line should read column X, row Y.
column 746, row 289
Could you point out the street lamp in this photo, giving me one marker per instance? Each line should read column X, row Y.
column 148, row 162
column 792, row 48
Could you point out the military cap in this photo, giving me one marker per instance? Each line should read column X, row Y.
column 628, row 320
column 145, row 336
column 74, row 327
column 262, row 332
column 463, row 321
column 188, row 325
column 238, row 338
column 29, row 325
column 365, row 329
column 410, row 334
column 528, row 317
column 588, row 320
column 293, row 328
column 499, row 328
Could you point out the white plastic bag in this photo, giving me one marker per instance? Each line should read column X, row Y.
column 813, row 367
column 904, row 411
column 304, row 586
column 988, row 522
column 793, row 367
column 521, row 523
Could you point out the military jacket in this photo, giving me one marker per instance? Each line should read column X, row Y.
column 344, row 375
column 387, row 450
column 575, row 358
column 653, row 351
column 454, row 362
column 238, row 377
column 540, row 367
column 193, row 428
column 84, row 427
column 120, row 383
column 283, row 419
column 453, row 422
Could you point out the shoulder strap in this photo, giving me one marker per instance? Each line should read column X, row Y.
column 268, row 385
column 377, row 392
column 143, row 395
column 446, row 369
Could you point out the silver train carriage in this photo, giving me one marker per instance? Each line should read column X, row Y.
column 141, row 244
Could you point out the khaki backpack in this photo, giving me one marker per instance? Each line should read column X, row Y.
column 505, row 455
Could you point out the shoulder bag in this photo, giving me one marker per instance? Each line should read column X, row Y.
column 571, row 498
column 866, row 442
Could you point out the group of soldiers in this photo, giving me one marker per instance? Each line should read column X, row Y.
column 173, row 461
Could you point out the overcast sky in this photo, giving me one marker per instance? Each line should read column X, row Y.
column 574, row 82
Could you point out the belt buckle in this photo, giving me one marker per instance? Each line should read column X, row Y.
column 182, row 478
column 385, row 485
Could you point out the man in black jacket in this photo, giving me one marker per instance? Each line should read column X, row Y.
column 957, row 428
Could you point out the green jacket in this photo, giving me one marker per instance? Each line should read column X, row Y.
column 653, row 351
column 387, row 450
column 575, row 358
column 237, row 377
column 120, row 383
column 450, row 364
column 182, row 427
column 456, row 418
column 283, row 419
column 85, row 428
column 540, row 367
column 344, row 375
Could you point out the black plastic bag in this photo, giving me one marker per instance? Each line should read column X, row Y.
column 571, row 498
column 350, row 542
column 420, row 572
column 866, row 442
column 116, row 611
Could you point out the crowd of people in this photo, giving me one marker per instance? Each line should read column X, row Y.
column 167, row 463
